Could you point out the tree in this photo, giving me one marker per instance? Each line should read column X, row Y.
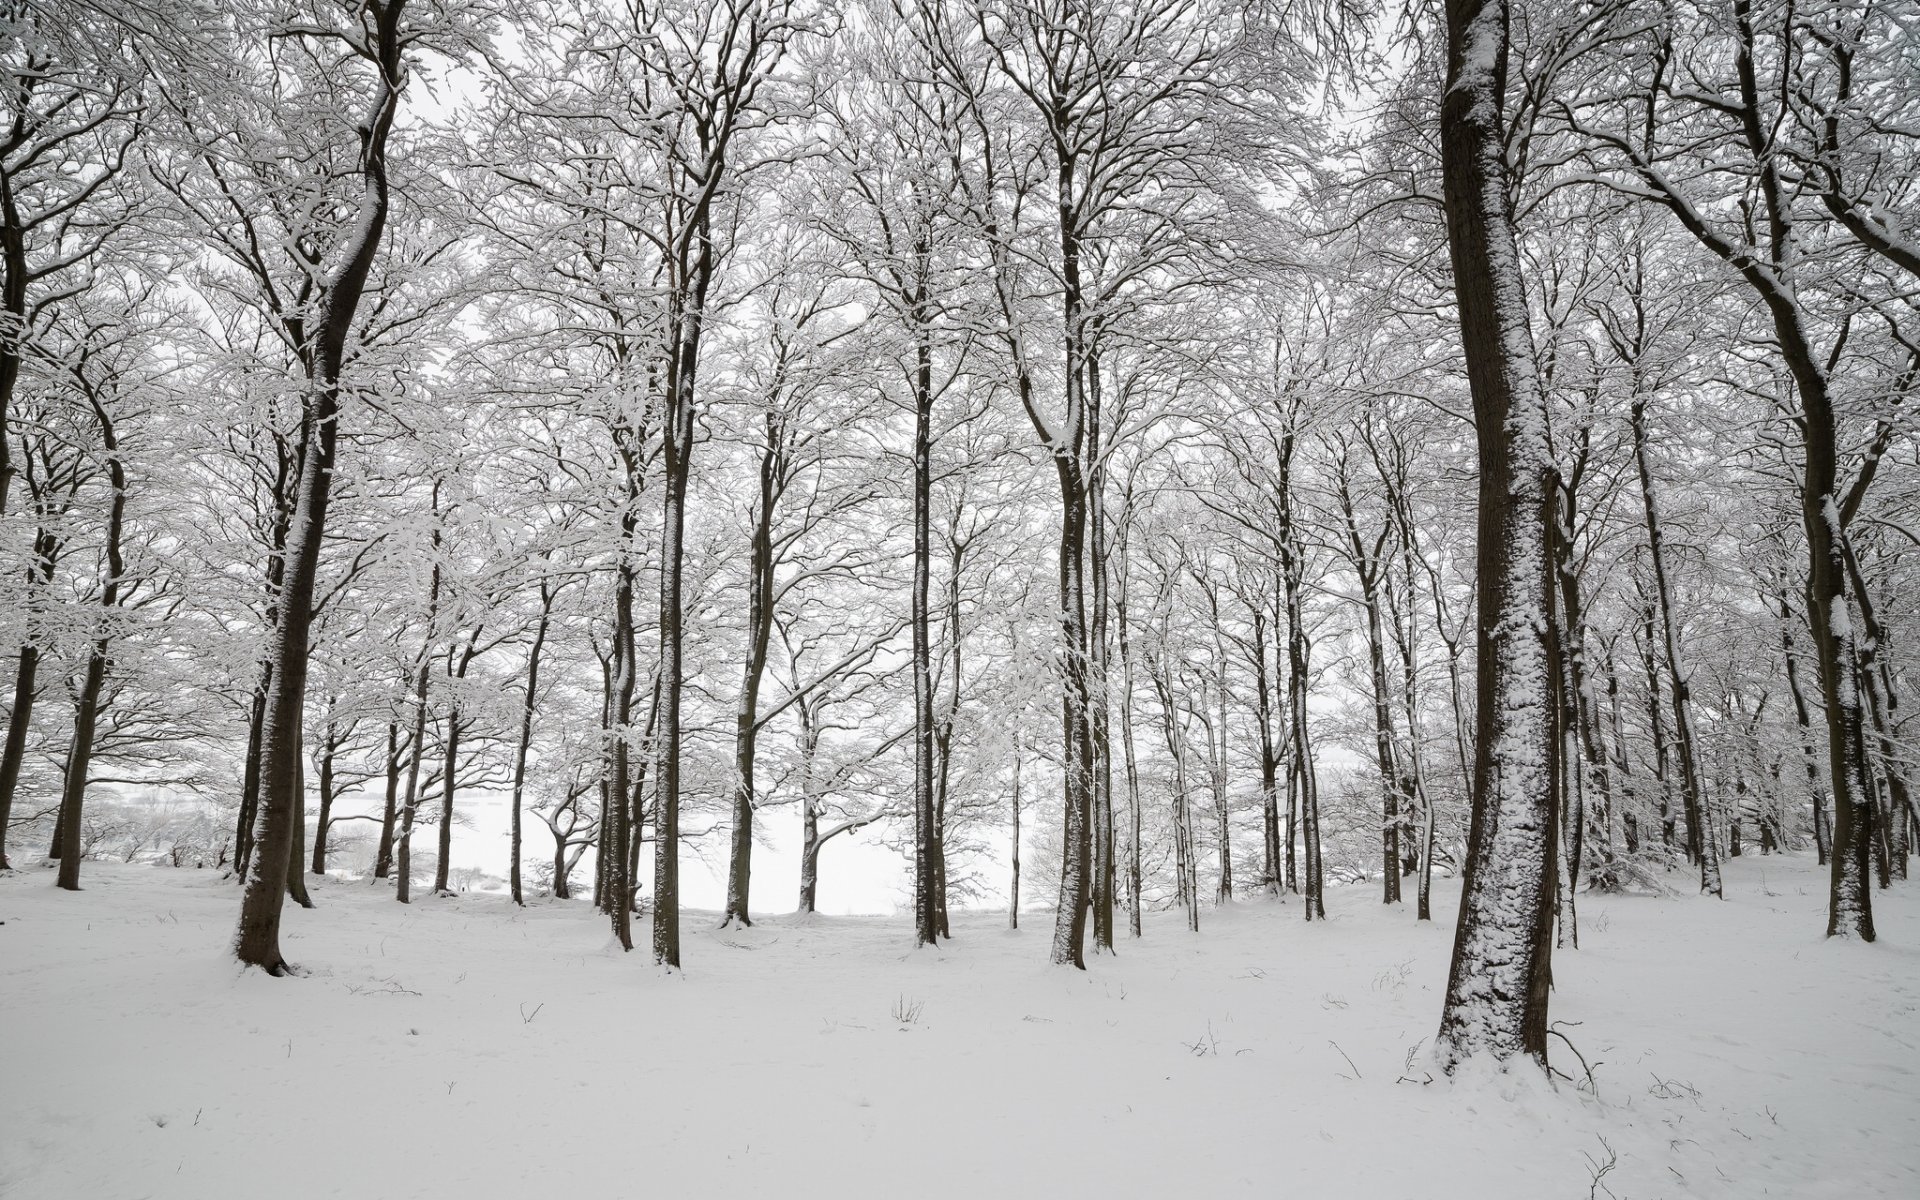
column 1496, row 1002
column 379, row 39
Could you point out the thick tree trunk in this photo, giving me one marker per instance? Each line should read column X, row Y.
column 1496, row 1002
column 73, row 793
column 257, row 942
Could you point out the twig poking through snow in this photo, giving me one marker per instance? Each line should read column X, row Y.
column 1599, row 1169
column 1343, row 1054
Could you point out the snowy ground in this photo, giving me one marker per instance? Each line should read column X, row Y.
column 459, row 1048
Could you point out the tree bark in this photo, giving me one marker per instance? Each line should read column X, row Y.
column 257, row 942
column 383, row 855
column 528, row 703
column 1496, row 1003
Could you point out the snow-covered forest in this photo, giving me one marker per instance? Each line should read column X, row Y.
column 1383, row 526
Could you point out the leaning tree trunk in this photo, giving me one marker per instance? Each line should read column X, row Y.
column 257, row 942
column 1496, row 1002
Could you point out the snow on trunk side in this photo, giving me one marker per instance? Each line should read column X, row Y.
column 1497, row 988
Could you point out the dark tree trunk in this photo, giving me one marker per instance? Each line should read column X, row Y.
column 926, row 923
column 677, row 452
column 86, row 709
column 73, row 792
column 1013, row 887
column 329, row 746
column 1132, row 765
column 258, row 940
column 449, row 768
column 528, row 703
column 1496, row 1001
column 1269, row 757
column 617, row 834
column 1685, row 744
column 417, row 740
column 383, row 856
column 46, row 549
column 760, row 599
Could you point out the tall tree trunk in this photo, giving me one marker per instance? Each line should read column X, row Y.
column 1883, row 709
column 617, row 833
column 417, row 739
column 1496, row 1002
column 1685, row 744
column 1013, row 885
column 449, row 769
column 677, row 451
column 1100, row 715
column 1809, row 756
column 73, row 792
column 926, row 927
column 1131, row 761
column 1184, row 867
column 528, row 703
column 46, row 549
column 383, row 855
column 86, row 708
column 1269, row 757
column 329, row 746
column 760, row 597
column 257, row 942
column 297, row 850
column 1366, row 565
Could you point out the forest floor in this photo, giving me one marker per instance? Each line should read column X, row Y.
column 461, row 1048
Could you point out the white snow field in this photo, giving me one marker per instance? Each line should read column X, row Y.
column 461, row 1049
